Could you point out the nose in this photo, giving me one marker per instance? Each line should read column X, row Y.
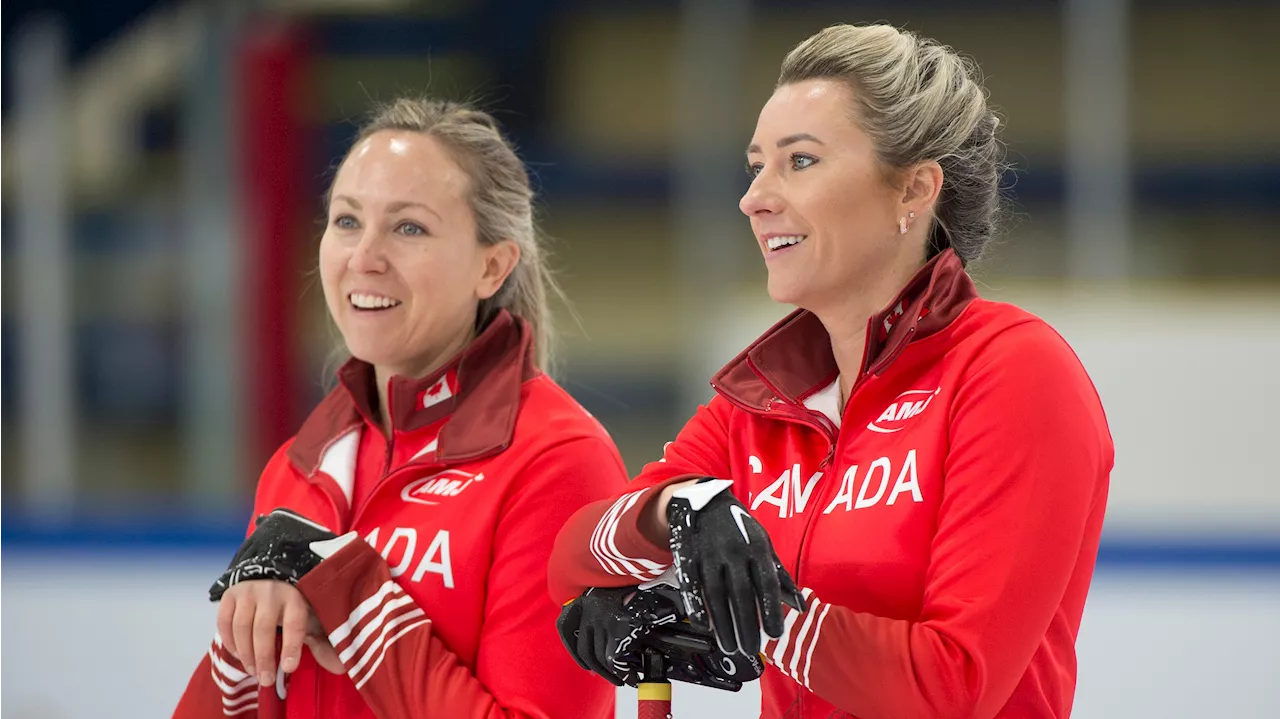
column 368, row 256
column 761, row 197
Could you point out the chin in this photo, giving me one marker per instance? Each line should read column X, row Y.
column 370, row 352
column 785, row 293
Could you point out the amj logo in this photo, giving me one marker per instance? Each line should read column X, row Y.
column 904, row 407
column 429, row 490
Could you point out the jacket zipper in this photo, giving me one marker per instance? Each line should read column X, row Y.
column 820, row 422
column 387, row 471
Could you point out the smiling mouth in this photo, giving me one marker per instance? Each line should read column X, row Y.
column 777, row 243
column 371, row 303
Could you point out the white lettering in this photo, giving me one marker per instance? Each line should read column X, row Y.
column 889, row 414
column 372, row 538
column 845, row 494
column 776, row 494
column 910, row 409
column 800, row 499
column 863, row 501
column 443, row 566
column 447, row 487
column 757, row 467
column 911, row 485
column 411, row 535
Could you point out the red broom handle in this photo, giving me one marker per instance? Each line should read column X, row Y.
column 655, row 700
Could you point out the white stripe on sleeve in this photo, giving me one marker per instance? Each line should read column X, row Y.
column 383, row 653
column 813, row 643
column 344, row 630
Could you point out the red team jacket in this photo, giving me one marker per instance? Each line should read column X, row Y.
column 443, row 610
column 944, row 526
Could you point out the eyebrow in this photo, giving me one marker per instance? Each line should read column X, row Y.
column 398, row 206
column 789, row 140
column 391, row 207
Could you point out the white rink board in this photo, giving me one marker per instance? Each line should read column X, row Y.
column 119, row 635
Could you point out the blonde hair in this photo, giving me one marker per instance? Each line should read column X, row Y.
column 918, row 101
column 500, row 196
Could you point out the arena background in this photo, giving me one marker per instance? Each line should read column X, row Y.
column 162, row 331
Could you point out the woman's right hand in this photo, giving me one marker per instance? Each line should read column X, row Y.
column 730, row 577
column 653, row 525
column 249, row 614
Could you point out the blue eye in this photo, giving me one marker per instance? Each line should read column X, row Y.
column 802, row 162
column 754, row 169
column 346, row 222
column 410, row 229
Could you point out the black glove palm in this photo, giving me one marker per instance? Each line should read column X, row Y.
column 596, row 629
column 730, row 578
column 609, row 631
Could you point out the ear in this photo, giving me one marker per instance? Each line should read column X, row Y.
column 921, row 186
column 500, row 260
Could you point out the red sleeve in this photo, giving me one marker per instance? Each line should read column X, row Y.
column 1025, row 483
column 403, row 670
column 220, row 687
column 601, row 544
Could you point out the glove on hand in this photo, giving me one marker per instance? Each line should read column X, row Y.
column 730, row 579
column 610, row 631
column 279, row 548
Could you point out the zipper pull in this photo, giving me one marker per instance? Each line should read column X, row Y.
column 831, row 456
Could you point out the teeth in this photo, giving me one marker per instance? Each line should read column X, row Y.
column 784, row 241
column 371, row 302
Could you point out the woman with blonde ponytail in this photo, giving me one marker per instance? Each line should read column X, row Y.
column 896, row 494
column 402, row 537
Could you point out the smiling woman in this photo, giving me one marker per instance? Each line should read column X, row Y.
column 433, row 599
column 404, row 278
column 886, row 444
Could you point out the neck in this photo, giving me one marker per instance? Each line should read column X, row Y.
column 846, row 323
column 848, row 331
column 428, row 363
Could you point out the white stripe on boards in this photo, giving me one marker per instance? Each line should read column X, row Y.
column 383, row 654
column 363, row 608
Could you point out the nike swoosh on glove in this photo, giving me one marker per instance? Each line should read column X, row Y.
column 730, row 578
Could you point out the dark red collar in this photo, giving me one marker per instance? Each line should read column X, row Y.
column 793, row 359
column 482, row 411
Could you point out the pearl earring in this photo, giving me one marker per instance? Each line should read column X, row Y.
column 902, row 225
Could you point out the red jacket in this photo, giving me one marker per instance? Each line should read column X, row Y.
column 443, row 610
column 945, row 525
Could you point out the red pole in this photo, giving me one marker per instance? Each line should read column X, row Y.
column 655, row 700
column 272, row 75
column 655, row 691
